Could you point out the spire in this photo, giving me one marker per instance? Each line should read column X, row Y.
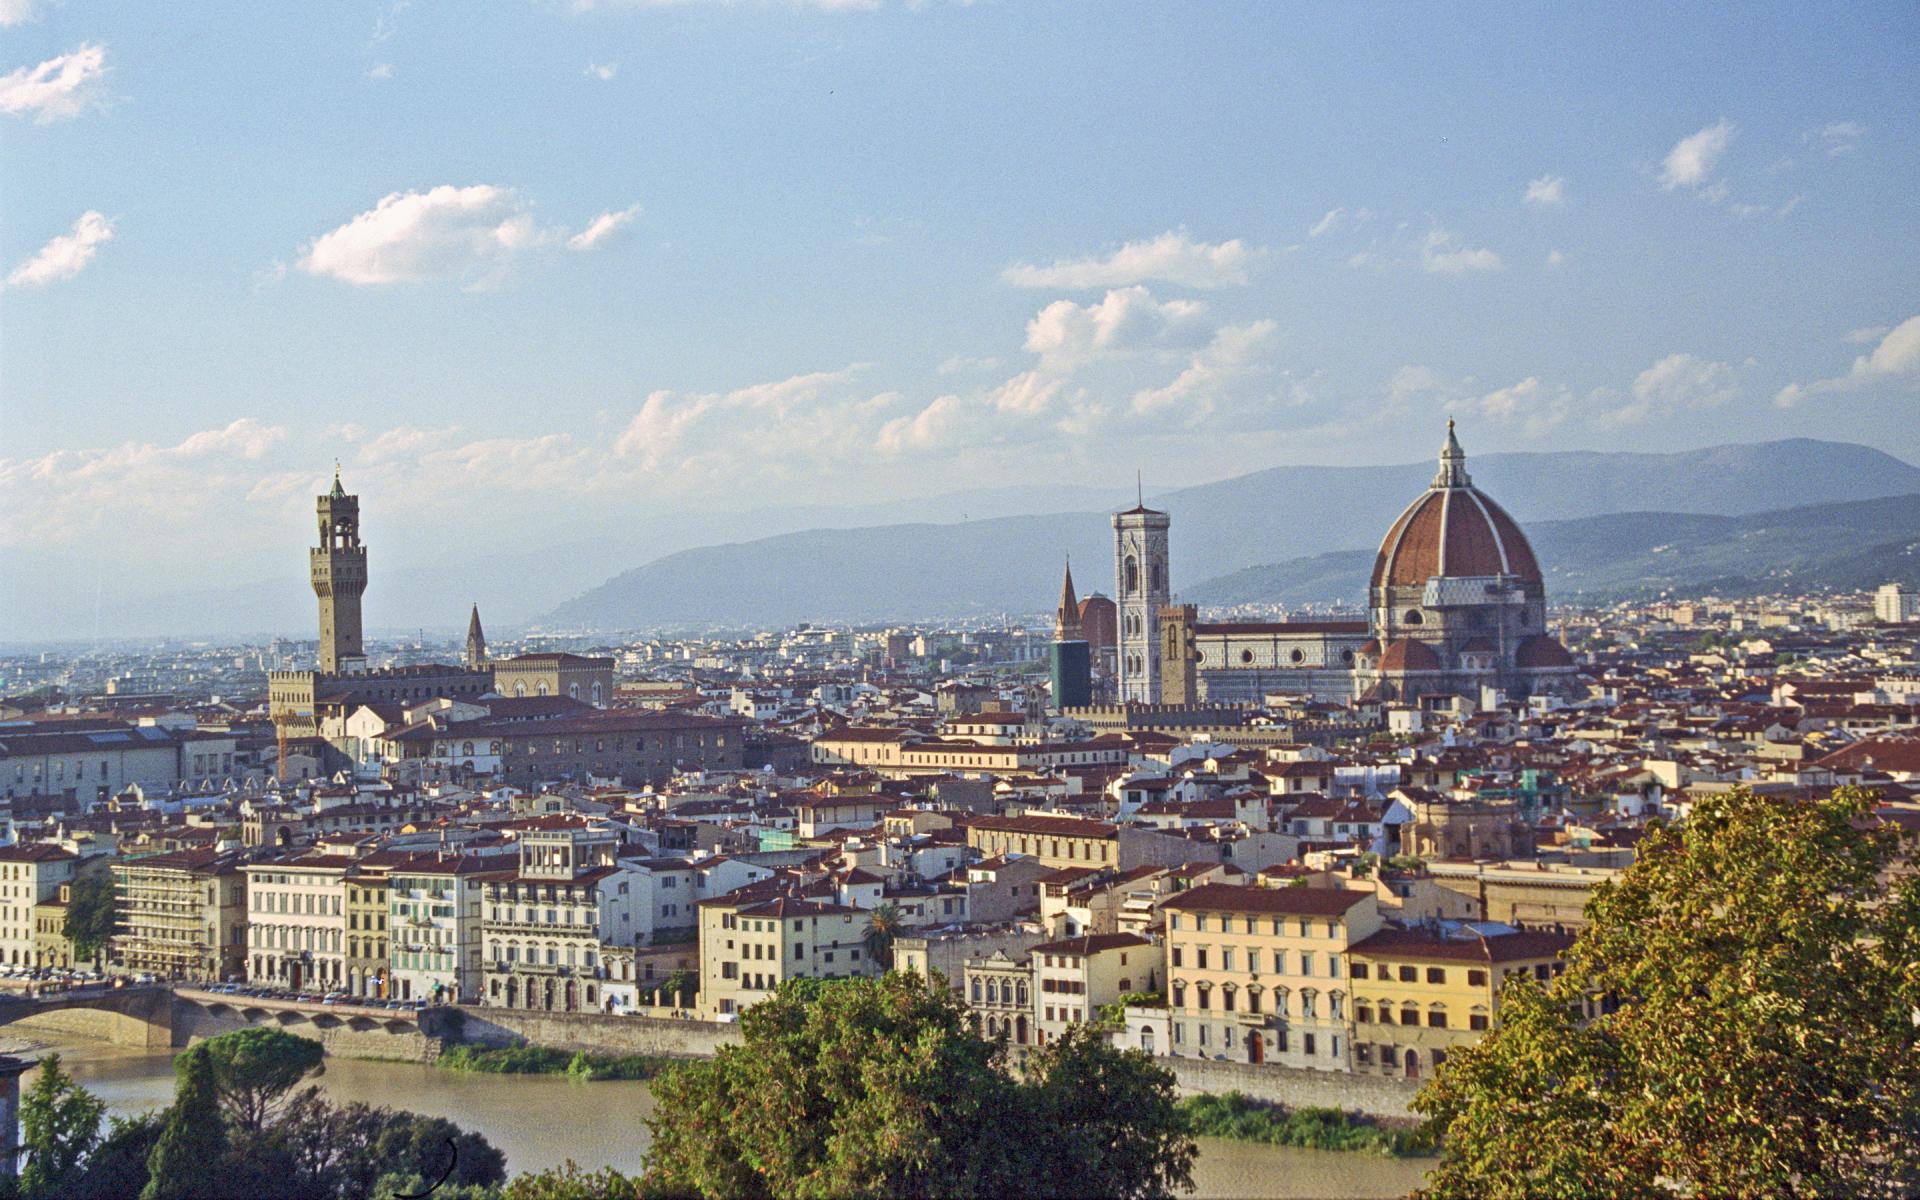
column 1066, row 621
column 338, row 492
column 1453, row 463
column 476, row 641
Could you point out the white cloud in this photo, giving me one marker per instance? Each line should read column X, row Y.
column 1548, row 191
column 1836, row 137
column 380, row 71
column 601, row 71
column 1676, row 382
column 17, row 12
column 1125, row 321
column 670, row 425
column 1442, row 254
column 58, row 88
column 1537, row 406
column 1555, row 260
column 602, row 227
column 1199, row 391
column 1895, row 360
column 71, row 494
column 1410, row 381
column 815, row 5
column 960, row 362
column 1691, row 161
column 1173, row 257
column 1871, row 333
column 65, row 256
column 465, row 233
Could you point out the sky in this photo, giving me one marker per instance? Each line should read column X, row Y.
column 530, row 269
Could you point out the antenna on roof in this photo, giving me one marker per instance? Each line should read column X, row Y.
column 1139, row 487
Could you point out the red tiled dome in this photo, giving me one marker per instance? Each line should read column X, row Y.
column 1453, row 530
column 1541, row 651
column 1409, row 655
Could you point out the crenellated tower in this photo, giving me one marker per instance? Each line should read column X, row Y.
column 339, row 565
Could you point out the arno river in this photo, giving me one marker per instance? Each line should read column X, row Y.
column 541, row 1121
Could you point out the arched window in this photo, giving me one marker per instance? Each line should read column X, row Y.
column 519, row 689
column 1412, row 617
column 1132, row 572
column 976, row 991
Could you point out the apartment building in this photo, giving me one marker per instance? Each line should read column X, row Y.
column 1075, row 978
column 1259, row 974
column 31, row 874
column 1421, row 993
column 753, row 941
column 546, row 925
column 297, row 922
column 182, row 915
column 434, row 913
column 368, row 949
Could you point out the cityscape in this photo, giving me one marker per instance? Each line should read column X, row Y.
column 1177, row 769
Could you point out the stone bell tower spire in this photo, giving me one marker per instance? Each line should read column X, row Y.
column 1066, row 620
column 476, row 642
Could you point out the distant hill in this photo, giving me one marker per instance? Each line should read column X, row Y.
column 1857, row 544
column 1284, row 515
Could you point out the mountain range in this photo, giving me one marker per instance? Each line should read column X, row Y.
column 1852, row 545
column 1294, row 535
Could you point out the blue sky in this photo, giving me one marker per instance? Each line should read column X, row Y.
column 530, row 265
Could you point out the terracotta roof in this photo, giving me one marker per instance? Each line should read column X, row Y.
column 1409, row 655
column 1541, row 651
column 1286, row 901
column 1424, row 944
column 1090, row 944
column 1453, row 531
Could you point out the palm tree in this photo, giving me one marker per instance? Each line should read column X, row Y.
column 882, row 927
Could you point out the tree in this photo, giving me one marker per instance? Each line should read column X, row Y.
column 117, row 1167
column 569, row 1182
column 314, row 1149
column 879, row 1087
column 91, row 915
column 254, row 1069
column 189, row 1160
column 883, row 925
column 1113, row 1127
column 1737, row 1019
column 59, row 1124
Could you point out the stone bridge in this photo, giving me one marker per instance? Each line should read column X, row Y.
column 161, row 1016
column 140, row 1015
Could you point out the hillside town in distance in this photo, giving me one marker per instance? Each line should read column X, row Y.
column 1314, row 842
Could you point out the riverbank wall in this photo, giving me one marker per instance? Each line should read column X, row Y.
column 597, row 1034
column 1370, row 1094
column 592, row 1032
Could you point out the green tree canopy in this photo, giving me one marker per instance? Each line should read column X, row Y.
column 91, row 914
column 59, row 1124
column 1756, row 979
column 878, row 1087
column 883, row 925
column 254, row 1069
column 189, row 1159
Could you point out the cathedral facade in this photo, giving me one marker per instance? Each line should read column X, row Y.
column 1456, row 611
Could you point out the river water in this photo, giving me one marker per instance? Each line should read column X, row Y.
column 542, row 1120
